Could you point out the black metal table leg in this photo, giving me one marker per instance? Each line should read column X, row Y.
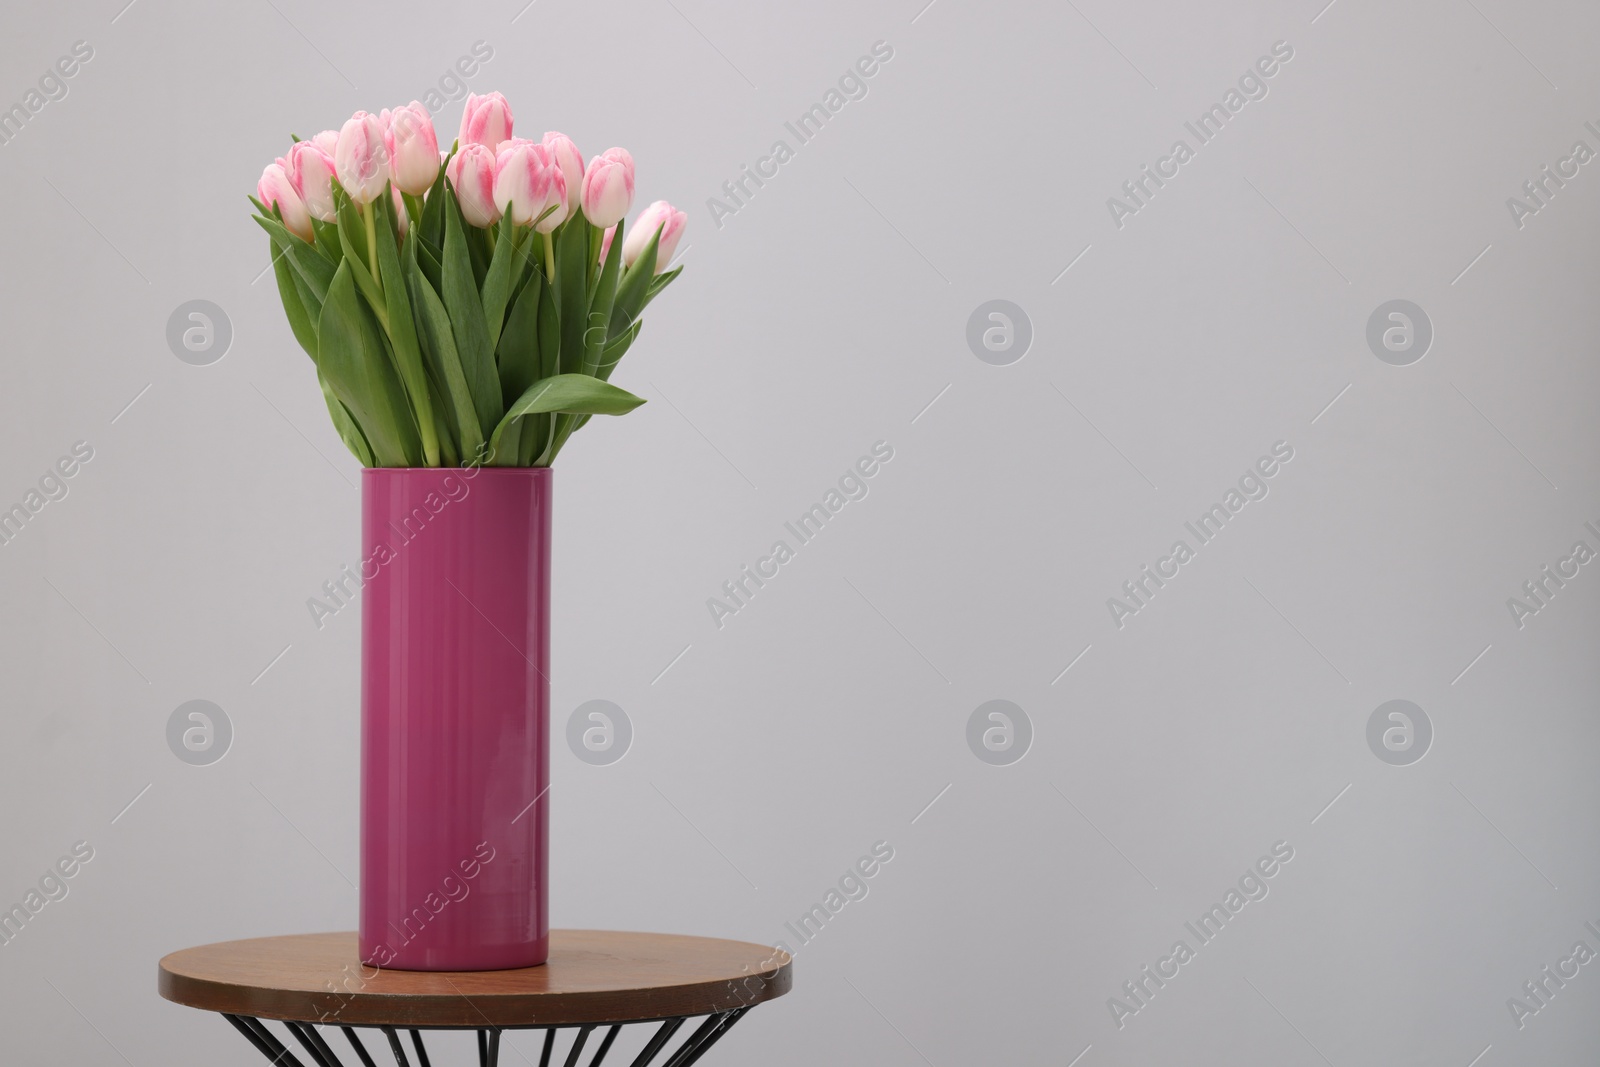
column 728, row 1020
column 249, row 1035
column 395, row 1046
column 312, row 1042
column 662, row 1036
column 361, row 1050
column 708, row 1032
column 422, row 1053
column 702, row 1032
column 605, row 1046
column 327, row 1051
column 259, row 1036
column 577, row 1046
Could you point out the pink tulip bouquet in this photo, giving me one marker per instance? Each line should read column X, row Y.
column 467, row 307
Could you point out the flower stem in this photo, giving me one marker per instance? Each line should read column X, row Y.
column 549, row 259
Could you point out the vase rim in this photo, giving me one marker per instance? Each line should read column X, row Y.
column 455, row 470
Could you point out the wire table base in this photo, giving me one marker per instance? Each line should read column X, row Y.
column 322, row 1054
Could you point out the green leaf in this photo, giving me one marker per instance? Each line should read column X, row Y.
column 327, row 242
column 444, row 416
column 402, row 330
column 574, row 394
column 345, row 423
column 429, row 260
column 413, row 209
column 549, row 332
column 432, row 227
column 313, row 268
column 543, row 432
column 352, row 231
column 444, row 362
column 615, row 349
column 518, row 353
column 573, row 239
column 535, row 430
column 596, row 239
column 660, row 282
column 353, row 239
column 605, row 292
column 353, row 356
column 497, row 284
column 310, row 302
column 294, row 308
column 460, row 295
column 449, row 454
column 634, row 290
column 572, row 293
column 479, row 252
column 443, row 407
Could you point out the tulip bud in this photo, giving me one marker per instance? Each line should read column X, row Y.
column 658, row 216
column 328, row 141
column 605, row 242
column 486, row 120
column 608, row 187
column 471, row 174
column 275, row 188
column 529, row 181
column 570, row 160
column 413, row 148
column 310, row 171
column 361, row 158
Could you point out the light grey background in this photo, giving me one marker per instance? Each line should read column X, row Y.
column 827, row 715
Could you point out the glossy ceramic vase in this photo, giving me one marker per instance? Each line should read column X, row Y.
column 455, row 755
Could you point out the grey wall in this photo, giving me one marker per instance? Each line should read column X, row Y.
column 1230, row 714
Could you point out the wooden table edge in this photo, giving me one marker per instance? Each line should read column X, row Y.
column 498, row 1010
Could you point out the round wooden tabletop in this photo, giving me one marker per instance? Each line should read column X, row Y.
column 593, row 976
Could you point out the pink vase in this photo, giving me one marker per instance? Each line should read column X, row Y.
column 455, row 756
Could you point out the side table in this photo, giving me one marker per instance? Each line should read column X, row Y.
column 594, row 980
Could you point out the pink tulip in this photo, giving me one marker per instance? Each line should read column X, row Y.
column 471, row 174
column 310, row 169
column 328, row 141
column 608, row 187
column 275, row 188
column 486, row 120
column 658, row 216
column 605, row 242
column 529, row 180
column 361, row 158
column 413, row 147
column 570, row 160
